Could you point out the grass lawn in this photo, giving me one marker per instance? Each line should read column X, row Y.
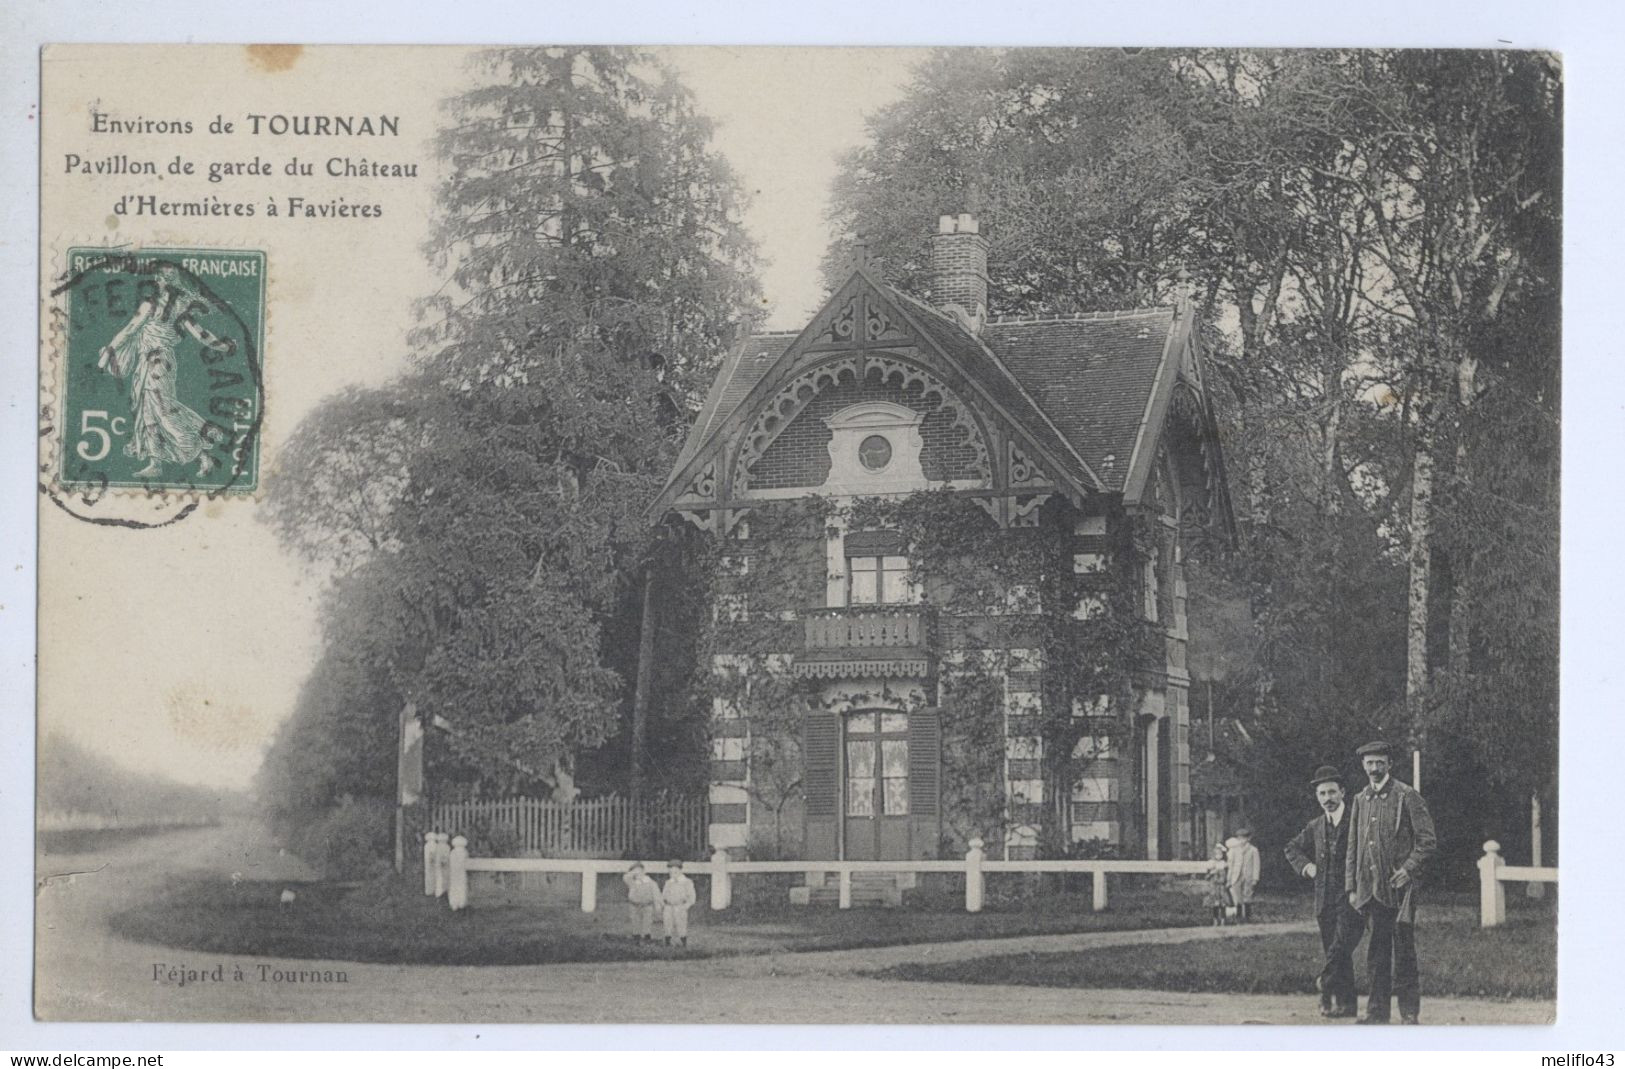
column 1518, row 960
column 389, row 921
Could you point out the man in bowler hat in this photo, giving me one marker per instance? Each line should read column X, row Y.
column 1390, row 840
column 1319, row 852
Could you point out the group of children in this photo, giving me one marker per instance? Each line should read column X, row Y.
column 673, row 898
column 1231, row 878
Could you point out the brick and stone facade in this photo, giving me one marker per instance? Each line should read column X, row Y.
column 799, row 457
column 1076, row 422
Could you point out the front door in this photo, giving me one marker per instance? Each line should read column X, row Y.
column 876, row 787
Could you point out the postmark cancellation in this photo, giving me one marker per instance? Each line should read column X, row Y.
column 161, row 377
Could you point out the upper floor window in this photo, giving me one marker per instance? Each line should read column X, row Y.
column 881, row 580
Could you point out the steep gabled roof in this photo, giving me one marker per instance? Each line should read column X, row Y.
column 982, row 367
column 1093, row 374
column 1090, row 391
column 741, row 369
column 995, row 376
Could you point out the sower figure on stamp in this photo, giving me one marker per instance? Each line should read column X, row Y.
column 1320, row 852
column 1390, row 840
column 144, row 357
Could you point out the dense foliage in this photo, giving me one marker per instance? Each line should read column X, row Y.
column 483, row 517
column 1372, row 238
column 990, row 595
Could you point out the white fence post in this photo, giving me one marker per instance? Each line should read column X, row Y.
column 589, row 889
column 429, row 863
column 457, row 878
column 844, row 882
column 1492, row 898
column 973, row 877
column 442, row 864
column 1097, row 896
column 721, row 885
column 443, row 853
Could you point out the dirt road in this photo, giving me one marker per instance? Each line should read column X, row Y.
column 85, row 972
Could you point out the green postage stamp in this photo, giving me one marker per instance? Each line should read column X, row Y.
column 163, row 385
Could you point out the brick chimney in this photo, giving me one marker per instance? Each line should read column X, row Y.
column 959, row 270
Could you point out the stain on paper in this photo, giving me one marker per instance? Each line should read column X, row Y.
column 202, row 719
column 274, row 58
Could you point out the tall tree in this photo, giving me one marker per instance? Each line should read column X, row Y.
column 1456, row 156
column 584, row 211
column 492, row 501
column 1069, row 150
column 1373, row 238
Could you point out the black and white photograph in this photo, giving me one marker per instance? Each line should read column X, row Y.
column 576, row 534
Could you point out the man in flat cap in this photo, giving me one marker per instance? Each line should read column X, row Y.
column 1320, row 852
column 1390, row 840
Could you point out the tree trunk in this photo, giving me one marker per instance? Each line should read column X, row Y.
column 1461, row 554
column 567, row 222
column 640, row 693
column 1461, row 602
column 1534, row 889
column 1330, row 475
column 1260, row 592
column 1421, row 564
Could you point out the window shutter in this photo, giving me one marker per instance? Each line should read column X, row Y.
column 821, row 784
column 925, row 780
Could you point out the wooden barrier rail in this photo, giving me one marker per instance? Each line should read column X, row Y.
column 610, row 825
column 1494, row 874
column 446, row 867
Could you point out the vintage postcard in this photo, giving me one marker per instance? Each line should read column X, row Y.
column 798, row 535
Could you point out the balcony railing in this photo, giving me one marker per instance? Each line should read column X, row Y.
column 866, row 627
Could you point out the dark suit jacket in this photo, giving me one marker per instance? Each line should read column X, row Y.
column 1328, row 853
column 1392, row 830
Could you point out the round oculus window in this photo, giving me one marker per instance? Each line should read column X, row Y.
column 874, row 452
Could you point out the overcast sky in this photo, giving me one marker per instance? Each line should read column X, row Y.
column 784, row 116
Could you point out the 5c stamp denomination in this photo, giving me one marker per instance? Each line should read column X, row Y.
column 163, row 381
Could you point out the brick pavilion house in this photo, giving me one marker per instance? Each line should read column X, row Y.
column 1094, row 428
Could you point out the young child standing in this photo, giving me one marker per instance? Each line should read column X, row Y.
column 1218, row 886
column 1244, row 868
column 676, row 897
column 641, row 896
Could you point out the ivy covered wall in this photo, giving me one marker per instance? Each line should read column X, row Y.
column 1043, row 665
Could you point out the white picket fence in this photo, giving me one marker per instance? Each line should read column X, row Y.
column 1494, row 874
column 446, row 866
column 611, row 825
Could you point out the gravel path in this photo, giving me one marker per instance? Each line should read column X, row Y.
column 874, row 958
